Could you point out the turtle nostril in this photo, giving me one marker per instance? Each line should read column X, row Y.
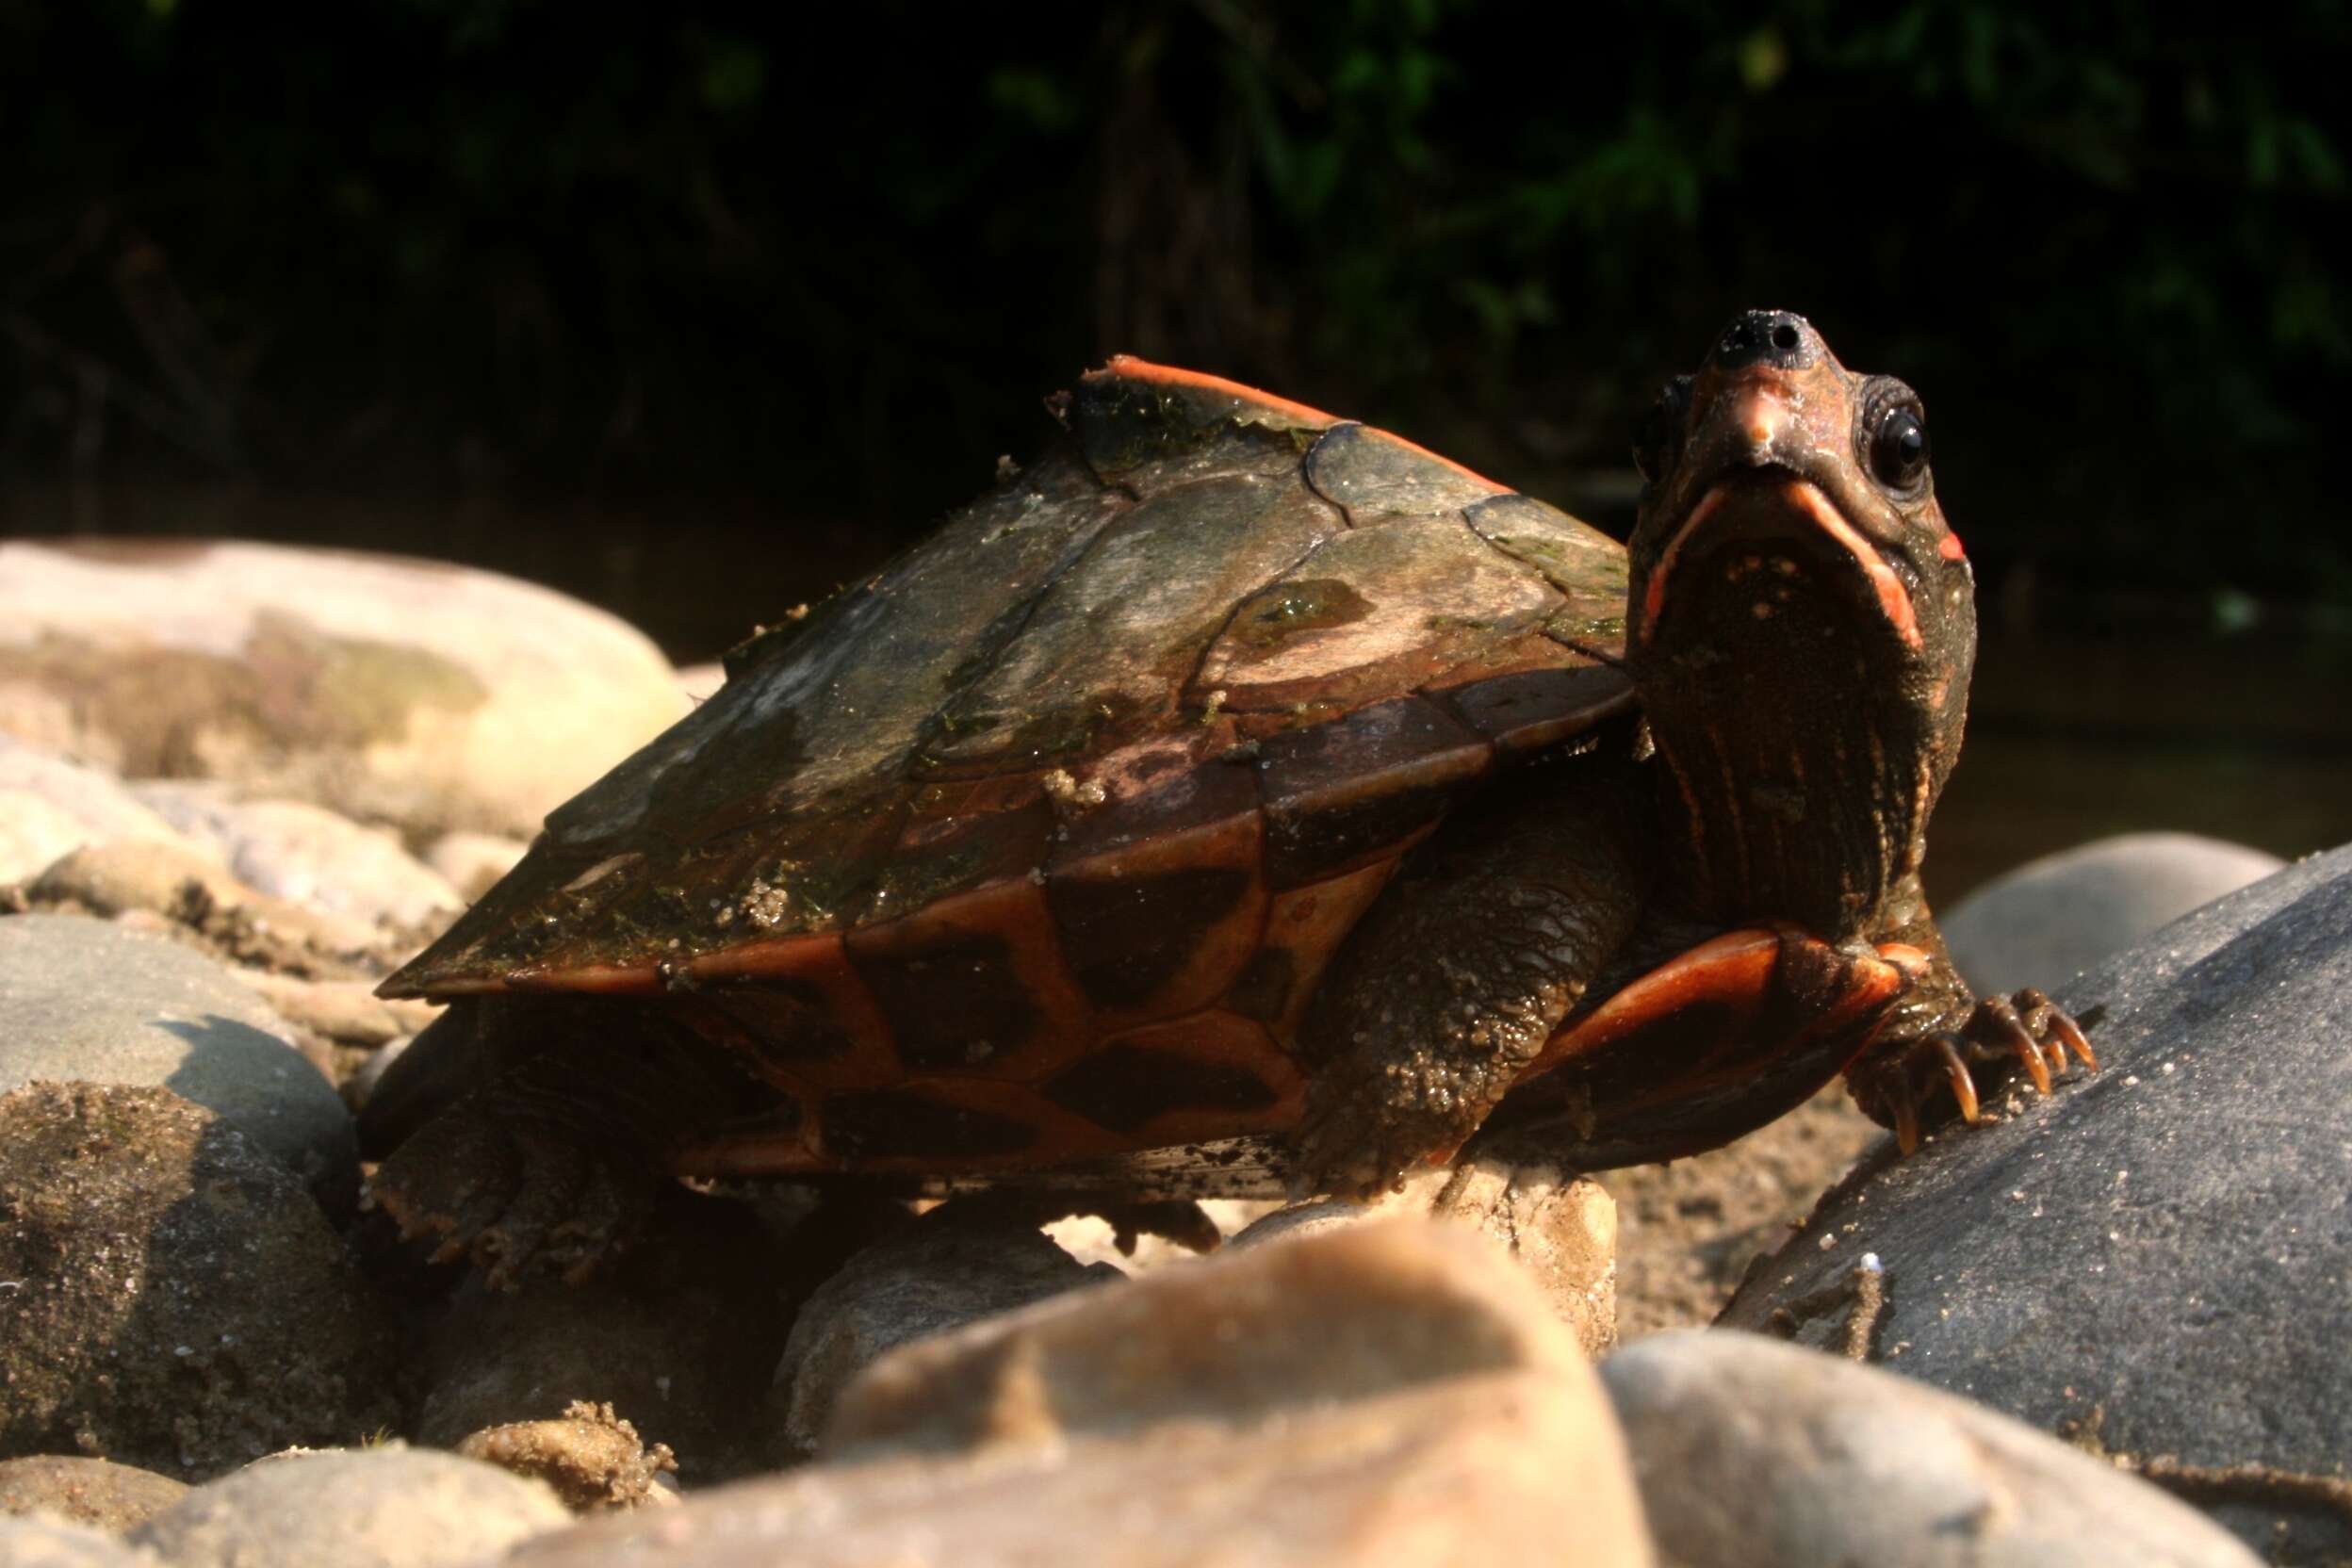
column 1785, row 337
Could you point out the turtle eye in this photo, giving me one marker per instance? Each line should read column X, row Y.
column 1894, row 437
column 1658, row 437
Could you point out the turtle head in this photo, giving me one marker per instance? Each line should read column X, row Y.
column 1802, row 626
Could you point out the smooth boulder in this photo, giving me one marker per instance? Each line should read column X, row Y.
column 430, row 696
column 2153, row 1260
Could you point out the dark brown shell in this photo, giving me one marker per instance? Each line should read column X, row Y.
column 1143, row 726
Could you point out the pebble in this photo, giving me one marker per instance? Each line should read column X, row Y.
column 85, row 1000
column 593, row 1460
column 1562, row 1228
column 181, row 888
column 433, row 696
column 2154, row 1259
column 307, row 854
column 384, row 1507
column 1390, row 1396
column 170, row 1294
column 94, row 1492
column 2051, row 919
column 1755, row 1454
column 959, row 1264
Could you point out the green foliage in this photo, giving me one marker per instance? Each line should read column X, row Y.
column 485, row 241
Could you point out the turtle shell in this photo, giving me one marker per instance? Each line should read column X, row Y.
column 1031, row 846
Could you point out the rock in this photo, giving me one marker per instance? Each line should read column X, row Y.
column 680, row 1338
column 173, row 1298
column 2154, row 1258
column 50, row 806
column 473, row 863
column 959, row 1264
column 1753, row 1454
column 1562, row 1228
column 194, row 896
column 1351, row 1313
column 94, row 1492
column 54, row 1544
column 307, row 854
column 370, row 1071
column 387, row 1507
column 85, row 1000
column 429, row 695
column 2053, row 918
column 1374, row 1396
column 592, row 1459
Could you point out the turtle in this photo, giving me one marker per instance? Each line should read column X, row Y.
column 1243, row 800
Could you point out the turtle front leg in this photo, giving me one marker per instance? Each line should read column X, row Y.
column 556, row 1163
column 1458, row 977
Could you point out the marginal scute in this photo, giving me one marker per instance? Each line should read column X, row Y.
column 1375, row 476
column 863, row 1126
column 1133, row 412
column 1124, row 1083
column 1341, row 794
column 1529, row 709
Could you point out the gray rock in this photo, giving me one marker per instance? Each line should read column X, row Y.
column 1562, row 1228
column 86, row 999
column 173, row 1298
column 959, row 1264
column 1390, row 1396
column 1753, row 1454
column 54, row 1544
column 50, row 806
column 2155, row 1258
column 94, row 1492
column 2051, row 918
column 306, row 854
column 430, row 696
column 388, row 1507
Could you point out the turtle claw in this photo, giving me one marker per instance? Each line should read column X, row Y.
column 2027, row 1034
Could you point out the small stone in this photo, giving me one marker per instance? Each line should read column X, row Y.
column 473, row 863
column 54, row 1544
column 190, row 893
column 1390, row 1396
column 592, row 1459
column 349, row 1012
column 2051, row 919
column 1563, row 1227
column 385, row 1507
column 86, row 999
column 134, row 1226
column 307, row 854
column 50, row 806
column 1350, row 1312
column 94, row 1492
column 1753, row 1454
column 959, row 1264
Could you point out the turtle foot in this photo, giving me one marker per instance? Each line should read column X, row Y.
column 1362, row 1145
column 513, row 1197
column 2005, row 1034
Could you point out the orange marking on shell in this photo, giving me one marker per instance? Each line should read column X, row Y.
column 1133, row 368
column 1217, row 1036
column 1439, row 458
column 820, row 963
column 1310, row 922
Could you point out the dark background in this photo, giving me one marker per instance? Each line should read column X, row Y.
column 695, row 309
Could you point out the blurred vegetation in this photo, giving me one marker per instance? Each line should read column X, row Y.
column 445, row 248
